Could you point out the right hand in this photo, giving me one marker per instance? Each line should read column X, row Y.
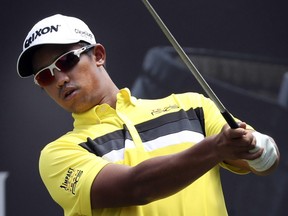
column 234, row 144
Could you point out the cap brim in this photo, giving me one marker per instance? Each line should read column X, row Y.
column 24, row 64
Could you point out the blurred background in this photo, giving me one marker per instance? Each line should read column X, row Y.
column 227, row 40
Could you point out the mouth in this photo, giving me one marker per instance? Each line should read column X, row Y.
column 68, row 93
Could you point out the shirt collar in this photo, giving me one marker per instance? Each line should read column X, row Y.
column 99, row 112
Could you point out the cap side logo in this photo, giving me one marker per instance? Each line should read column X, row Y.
column 84, row 34
column 39, row 33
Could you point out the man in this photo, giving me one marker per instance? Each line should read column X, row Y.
column 128, row 156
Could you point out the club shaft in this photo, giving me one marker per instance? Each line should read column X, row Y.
column 229, row 119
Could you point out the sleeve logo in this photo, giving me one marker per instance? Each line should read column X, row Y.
column 71, row 180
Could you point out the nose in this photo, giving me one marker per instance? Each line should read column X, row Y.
column 60, row 78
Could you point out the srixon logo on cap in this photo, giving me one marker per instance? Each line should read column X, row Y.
column 39, row 33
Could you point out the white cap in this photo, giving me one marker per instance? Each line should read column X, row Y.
column 56, row 29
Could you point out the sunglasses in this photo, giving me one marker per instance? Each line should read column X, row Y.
column 64, row 63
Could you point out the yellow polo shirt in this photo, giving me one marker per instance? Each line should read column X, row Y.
column 136, row 130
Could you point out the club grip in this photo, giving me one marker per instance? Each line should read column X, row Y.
column 229, row 119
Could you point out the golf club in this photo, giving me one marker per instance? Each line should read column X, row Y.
column 229, row 119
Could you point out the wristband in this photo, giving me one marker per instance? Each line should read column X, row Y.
column 269, row 155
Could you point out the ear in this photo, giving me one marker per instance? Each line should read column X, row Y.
column 99, row 54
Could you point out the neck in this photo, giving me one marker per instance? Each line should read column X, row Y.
column 113, row 99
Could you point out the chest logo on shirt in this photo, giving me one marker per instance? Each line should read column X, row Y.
column 164, row 109
column 71, row 180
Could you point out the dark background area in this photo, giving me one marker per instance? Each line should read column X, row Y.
column 29, row 119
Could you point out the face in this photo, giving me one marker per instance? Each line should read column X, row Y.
column 83, row 86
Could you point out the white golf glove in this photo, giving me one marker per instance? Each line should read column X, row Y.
column 269, row 155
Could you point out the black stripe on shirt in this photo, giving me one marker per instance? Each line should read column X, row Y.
column 191, row 120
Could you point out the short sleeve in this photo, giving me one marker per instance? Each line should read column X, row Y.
column 68, row 171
